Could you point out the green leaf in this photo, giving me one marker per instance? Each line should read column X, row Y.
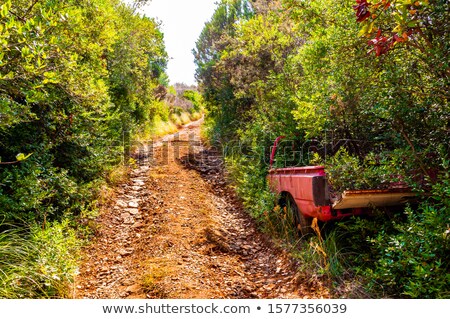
column 9, row 76
column 21, row 157
column 5, row 8
column 364, row 30
column 25, row 51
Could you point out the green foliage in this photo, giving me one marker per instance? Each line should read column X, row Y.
column 136, row 64
column 413, row 262
column 347, row 172
column 405, row 256
column 57, row 260
column 403, row 253
column 38, row 264
column 69, row 91
column 248, row 173
column 34, row 193
column 196, row 98
column 344, row 171
column 210, row 46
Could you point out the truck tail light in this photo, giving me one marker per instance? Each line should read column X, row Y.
column 321, row 193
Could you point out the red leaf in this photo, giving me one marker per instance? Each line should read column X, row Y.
column 362, row 10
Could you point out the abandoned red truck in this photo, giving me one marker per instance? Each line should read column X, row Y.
column 306, row 191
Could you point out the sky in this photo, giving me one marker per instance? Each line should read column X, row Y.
column 182, row 22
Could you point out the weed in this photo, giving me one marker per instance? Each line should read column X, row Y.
column 117, row 175
column 194, row 116
column 40, row 263
column 161, row 127
column 175, row 119
column 185, row 118
column 156, row 270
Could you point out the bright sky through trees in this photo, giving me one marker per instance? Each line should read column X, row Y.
column 182, row 21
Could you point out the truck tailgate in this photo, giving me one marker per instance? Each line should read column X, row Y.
column 373, row 198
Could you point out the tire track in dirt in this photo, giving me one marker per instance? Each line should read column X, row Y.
column 176, row 230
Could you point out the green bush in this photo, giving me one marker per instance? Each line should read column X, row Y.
column 34, row 193
column 57, row 259
column 374, row 171
column 248, row 176
column 196, row 99
column 414, row 261
column 406, row 255
column 321, row 256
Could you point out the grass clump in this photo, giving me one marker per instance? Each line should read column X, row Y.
column 40, row 263
column 185, row 118
column 194, row 116
column 156, row 270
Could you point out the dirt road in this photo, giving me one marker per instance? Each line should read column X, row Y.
column 176, row 230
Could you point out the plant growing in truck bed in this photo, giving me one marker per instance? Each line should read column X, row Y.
column 375, row 171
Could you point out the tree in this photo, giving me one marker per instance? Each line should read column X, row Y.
column 136, row 67
column 218, row 92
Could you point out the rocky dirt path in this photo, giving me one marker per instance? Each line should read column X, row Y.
column 176, row 230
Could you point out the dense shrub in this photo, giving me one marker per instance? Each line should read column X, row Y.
column 405, row 255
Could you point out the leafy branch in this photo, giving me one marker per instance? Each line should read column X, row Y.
column 19, row 158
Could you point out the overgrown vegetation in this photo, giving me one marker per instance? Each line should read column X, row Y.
column 77, row 79
column 362, row 88
column 38, row 263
